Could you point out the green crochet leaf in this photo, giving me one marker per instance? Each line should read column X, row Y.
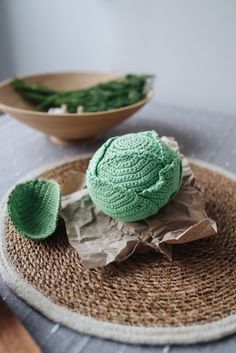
column 34, row 206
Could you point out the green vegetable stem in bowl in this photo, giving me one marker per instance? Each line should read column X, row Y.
column 109, row 95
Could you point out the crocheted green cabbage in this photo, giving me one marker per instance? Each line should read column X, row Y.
column 33, row 207
column 131, row 177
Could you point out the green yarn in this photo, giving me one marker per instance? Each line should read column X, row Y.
column 131, row 177
column 34, row 206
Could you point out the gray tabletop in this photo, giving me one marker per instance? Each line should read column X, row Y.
column 207, row 136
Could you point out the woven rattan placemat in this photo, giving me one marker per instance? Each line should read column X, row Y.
column 145, row 299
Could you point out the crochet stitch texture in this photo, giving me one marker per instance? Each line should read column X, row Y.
column 34, row 206
column 131, row 177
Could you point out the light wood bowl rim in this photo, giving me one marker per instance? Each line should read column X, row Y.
column 6, row 82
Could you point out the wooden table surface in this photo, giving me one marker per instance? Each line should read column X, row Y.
column 206, row 136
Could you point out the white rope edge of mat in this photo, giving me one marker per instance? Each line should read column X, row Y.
column 103, row 329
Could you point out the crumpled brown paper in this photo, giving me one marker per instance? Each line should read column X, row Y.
column 100, row 240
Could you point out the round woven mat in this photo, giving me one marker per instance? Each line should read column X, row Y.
column 145, row 299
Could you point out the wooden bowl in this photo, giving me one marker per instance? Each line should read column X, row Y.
column 65, row 127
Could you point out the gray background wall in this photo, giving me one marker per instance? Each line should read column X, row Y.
column 189, row 44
